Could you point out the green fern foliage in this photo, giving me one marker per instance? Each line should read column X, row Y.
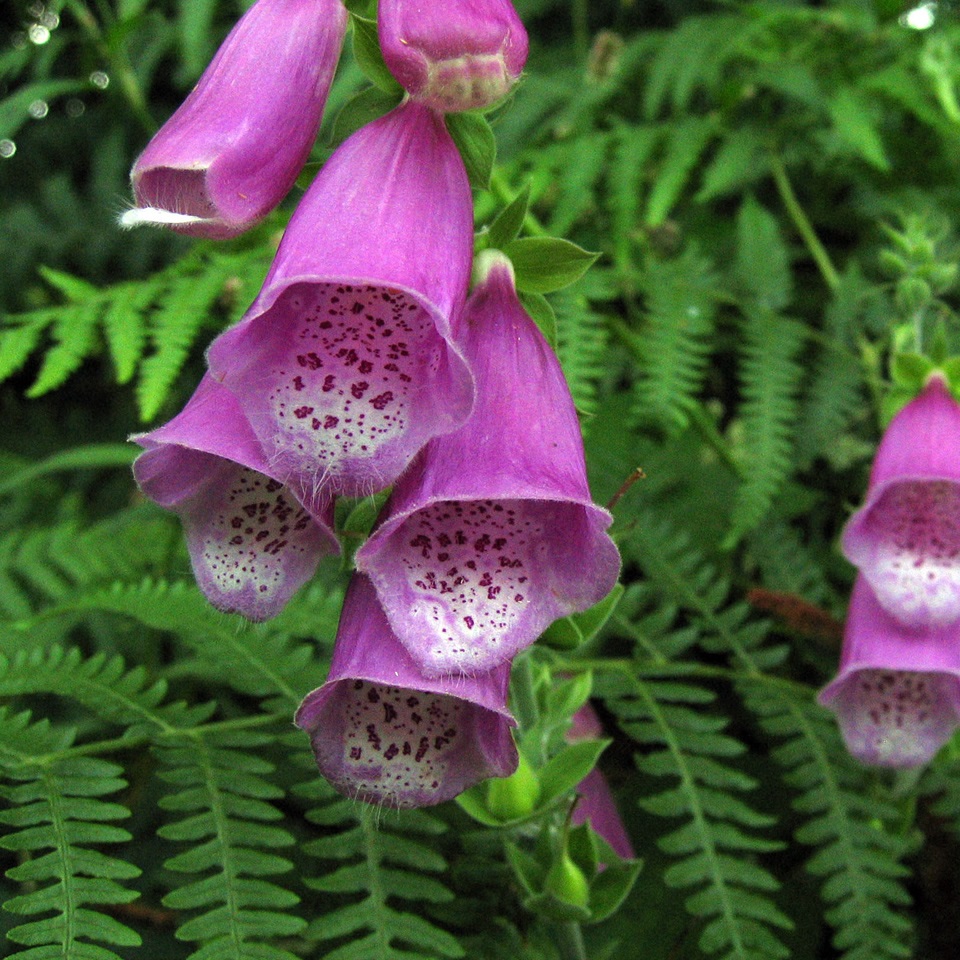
column 770, row 384
column 382, row 868
column 224, row 798
column 58, row 819
column 850, row 822
column 148, row 326
column 729, row 894
column 673, row 347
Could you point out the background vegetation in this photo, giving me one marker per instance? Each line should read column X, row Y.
column 773, row 189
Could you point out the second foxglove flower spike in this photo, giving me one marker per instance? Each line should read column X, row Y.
column 491, row 534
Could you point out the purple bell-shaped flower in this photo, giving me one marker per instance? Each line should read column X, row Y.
column 344, row 364
column 897, row 694
column 453, row 54
column 491, row 534
column 384, row 733
column 234, row 148
column 905, row 540
column 252, row 541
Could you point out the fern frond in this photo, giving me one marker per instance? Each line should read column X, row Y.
column 673, row 347
column 385, row 860
column 224, row 797
column 770, row 382
column 686, row 141
column 167, row 312
column 718, row 843
column 56, row 814
column 852, row 826
column 582, row 340
column 102, row 684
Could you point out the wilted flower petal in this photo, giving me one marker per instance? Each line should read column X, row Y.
column 252, row 541
column 234, row 148
column 491, row 535
column 897, row 695
column 344, row 364
column 906, row 538
column 453, row 54
column 382, row 732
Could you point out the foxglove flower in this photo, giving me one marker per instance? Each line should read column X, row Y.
column 234, row 148
column 906, row 538
column 897, row 695
column 453, row 54
column 595, row 804
column 491, row 534
column 252, row 541
column 344, row 363
column 383, row 733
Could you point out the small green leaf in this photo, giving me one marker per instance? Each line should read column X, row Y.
column 366, row 50
column 569, row 632
column 610, row 888
column 545, row 264
column 474, row 138
column 509, row 221
column 910, row 370
column 538, row 306
column 362, row 108
column 564, row 771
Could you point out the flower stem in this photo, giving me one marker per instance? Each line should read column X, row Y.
column 802, row 223
column 570, row 941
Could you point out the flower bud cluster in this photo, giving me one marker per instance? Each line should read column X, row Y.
column 897, row 695
column 362, row 364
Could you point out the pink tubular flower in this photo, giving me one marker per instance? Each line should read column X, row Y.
column 234, row 148
column 596, row 804
column 344, row 364
column 252, row 541
column 905, row 540
column 897, row 695
column 453, row 54
column 491, row 534
column 383, row 733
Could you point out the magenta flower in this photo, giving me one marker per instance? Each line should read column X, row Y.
column 344, row 363
column 383, row 733
column 906, row 538
column 491, row 534
column 897, row 695
column 595, row 803
column 234, row 148
column 252, row 541
column 453, row 54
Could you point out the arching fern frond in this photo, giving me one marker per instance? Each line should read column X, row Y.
column 384, row 864
column 163, row 314
column 222, row 791
column 673, row 346
column 729, row 892
column 849, row 821
column 770, row 382
column 58, row 820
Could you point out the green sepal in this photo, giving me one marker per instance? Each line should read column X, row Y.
column 951, row 370
column 477, row 144
column 366, row 51
column 363, row 108
column 611, row 887
column 568, row 633
column 564, row 771
column 545, row 264
column 528, row 870
column 910, row 370
column 509, row 222
column 538, row 306
column 515, row 797
column 355, row 520
column 565, row 697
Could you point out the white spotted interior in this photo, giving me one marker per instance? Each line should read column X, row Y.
column 917, row 572
column 255, row 530
column 398, row 743
column 901, row 717
column 467, row 566
column 353, row 361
